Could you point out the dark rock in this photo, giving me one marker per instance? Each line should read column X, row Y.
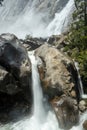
column 15, row 79
column 8, row 84
column 33, row 43
column 13, row 107
column 14, row 58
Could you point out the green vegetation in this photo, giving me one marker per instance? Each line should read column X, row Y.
column 77, row 38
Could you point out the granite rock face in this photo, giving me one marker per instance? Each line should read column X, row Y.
column 59, row 80
column 59, row 74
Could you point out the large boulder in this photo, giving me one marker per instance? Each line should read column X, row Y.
column 14, row 58
column 15, row 79
column 59, row 80
column 58, row 74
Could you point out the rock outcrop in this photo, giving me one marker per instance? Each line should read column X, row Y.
column 14, row 59
column 59, row 74
column 58, row 78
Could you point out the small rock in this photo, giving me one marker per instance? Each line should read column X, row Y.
column 73, row 94
column 82, row 105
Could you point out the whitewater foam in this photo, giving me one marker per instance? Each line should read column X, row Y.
column 37, row 18
column 82, row 94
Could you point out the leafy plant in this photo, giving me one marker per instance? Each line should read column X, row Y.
column 77, row 38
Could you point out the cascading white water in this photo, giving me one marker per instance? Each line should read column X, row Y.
column 80, row 82
column 42, row 119
column 61, row 20
column 39, row 111
column 39, row 18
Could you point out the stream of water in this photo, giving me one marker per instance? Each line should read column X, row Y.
column 81, row 90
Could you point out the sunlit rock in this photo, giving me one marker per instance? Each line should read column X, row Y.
column 59, row 74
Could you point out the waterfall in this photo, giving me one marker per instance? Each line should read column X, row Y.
column 38, row 18
column 42, row 118
column 39, row 111
column 61, row 20
column 80, row 82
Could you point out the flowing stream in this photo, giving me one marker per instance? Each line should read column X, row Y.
column 82, row 94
